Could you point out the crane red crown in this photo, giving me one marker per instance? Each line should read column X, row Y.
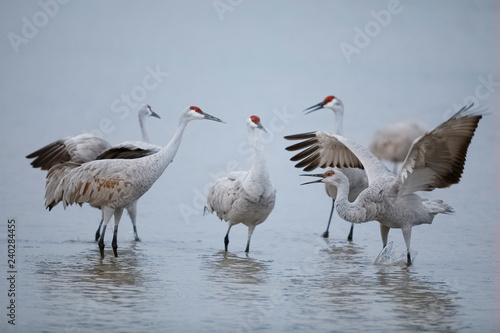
column 197, row 109
column 255, row 119
column 329, row 99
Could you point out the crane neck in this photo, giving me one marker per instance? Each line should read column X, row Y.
column 356, row 211
column 259, row 166
column 166, row 155
column 142, row 124
column 174, row 143
column 345, row 209
column 343, row 190
column 339, row 121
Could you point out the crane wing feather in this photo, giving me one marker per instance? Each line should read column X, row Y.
column 224, row 193
column 436, row 159
column 124, row 152
column 97, row 183
column 79, row 149
column 321, row 150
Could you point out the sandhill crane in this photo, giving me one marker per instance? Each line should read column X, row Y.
column 128, row 150
column 244, row 196
column 393, row 141
column 114, row 184
column 357, row 177
column 79, row 149
column 435, row 160
column 87, row 147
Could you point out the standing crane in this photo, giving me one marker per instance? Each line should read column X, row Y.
column 87, row 147
column 357, row 177
column 435, row 160
column 114, row 184
column 128, row 150
column 246, row 197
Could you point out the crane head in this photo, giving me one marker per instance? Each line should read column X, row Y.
column 194, row 112
column 254, row 122
column 146, row 111
column 324, row 177
column 330, row 102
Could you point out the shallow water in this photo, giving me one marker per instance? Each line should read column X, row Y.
column 290, row 281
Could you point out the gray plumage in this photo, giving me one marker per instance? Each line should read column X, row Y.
column 310, row 158
column 87, row 147
column 246, row 197
column 114, row 184
column 78, row 149
column 435, row 160
column 131, row 150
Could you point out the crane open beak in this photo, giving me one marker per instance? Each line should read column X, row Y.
column 154, row 114
column 321, row 175
column 209, row 117
column 259, row 125
column 314, row 108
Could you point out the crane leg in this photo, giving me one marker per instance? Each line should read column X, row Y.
column 132, row 212
column 98, row 232
column 118, row 215
column 136, row 236
column 106, row 213
column 349, row 237
column 325, row 234
column 226, row 239
column 407, row 237
column 384, row 232
column 250, row 232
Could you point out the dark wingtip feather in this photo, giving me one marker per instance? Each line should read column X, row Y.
column 305, row 153
column 301, row 136
column 124, row 153
column 303, row 144
column 311, row 167
column 49, row 155
column 314, row 158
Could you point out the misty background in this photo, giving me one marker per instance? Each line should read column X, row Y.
column 235, row 59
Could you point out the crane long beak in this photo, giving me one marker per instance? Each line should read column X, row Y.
column 314, row 175
column 314, row 108
column 259, row 125
column 154, row 114
column 313, row 182
column 209, row 117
